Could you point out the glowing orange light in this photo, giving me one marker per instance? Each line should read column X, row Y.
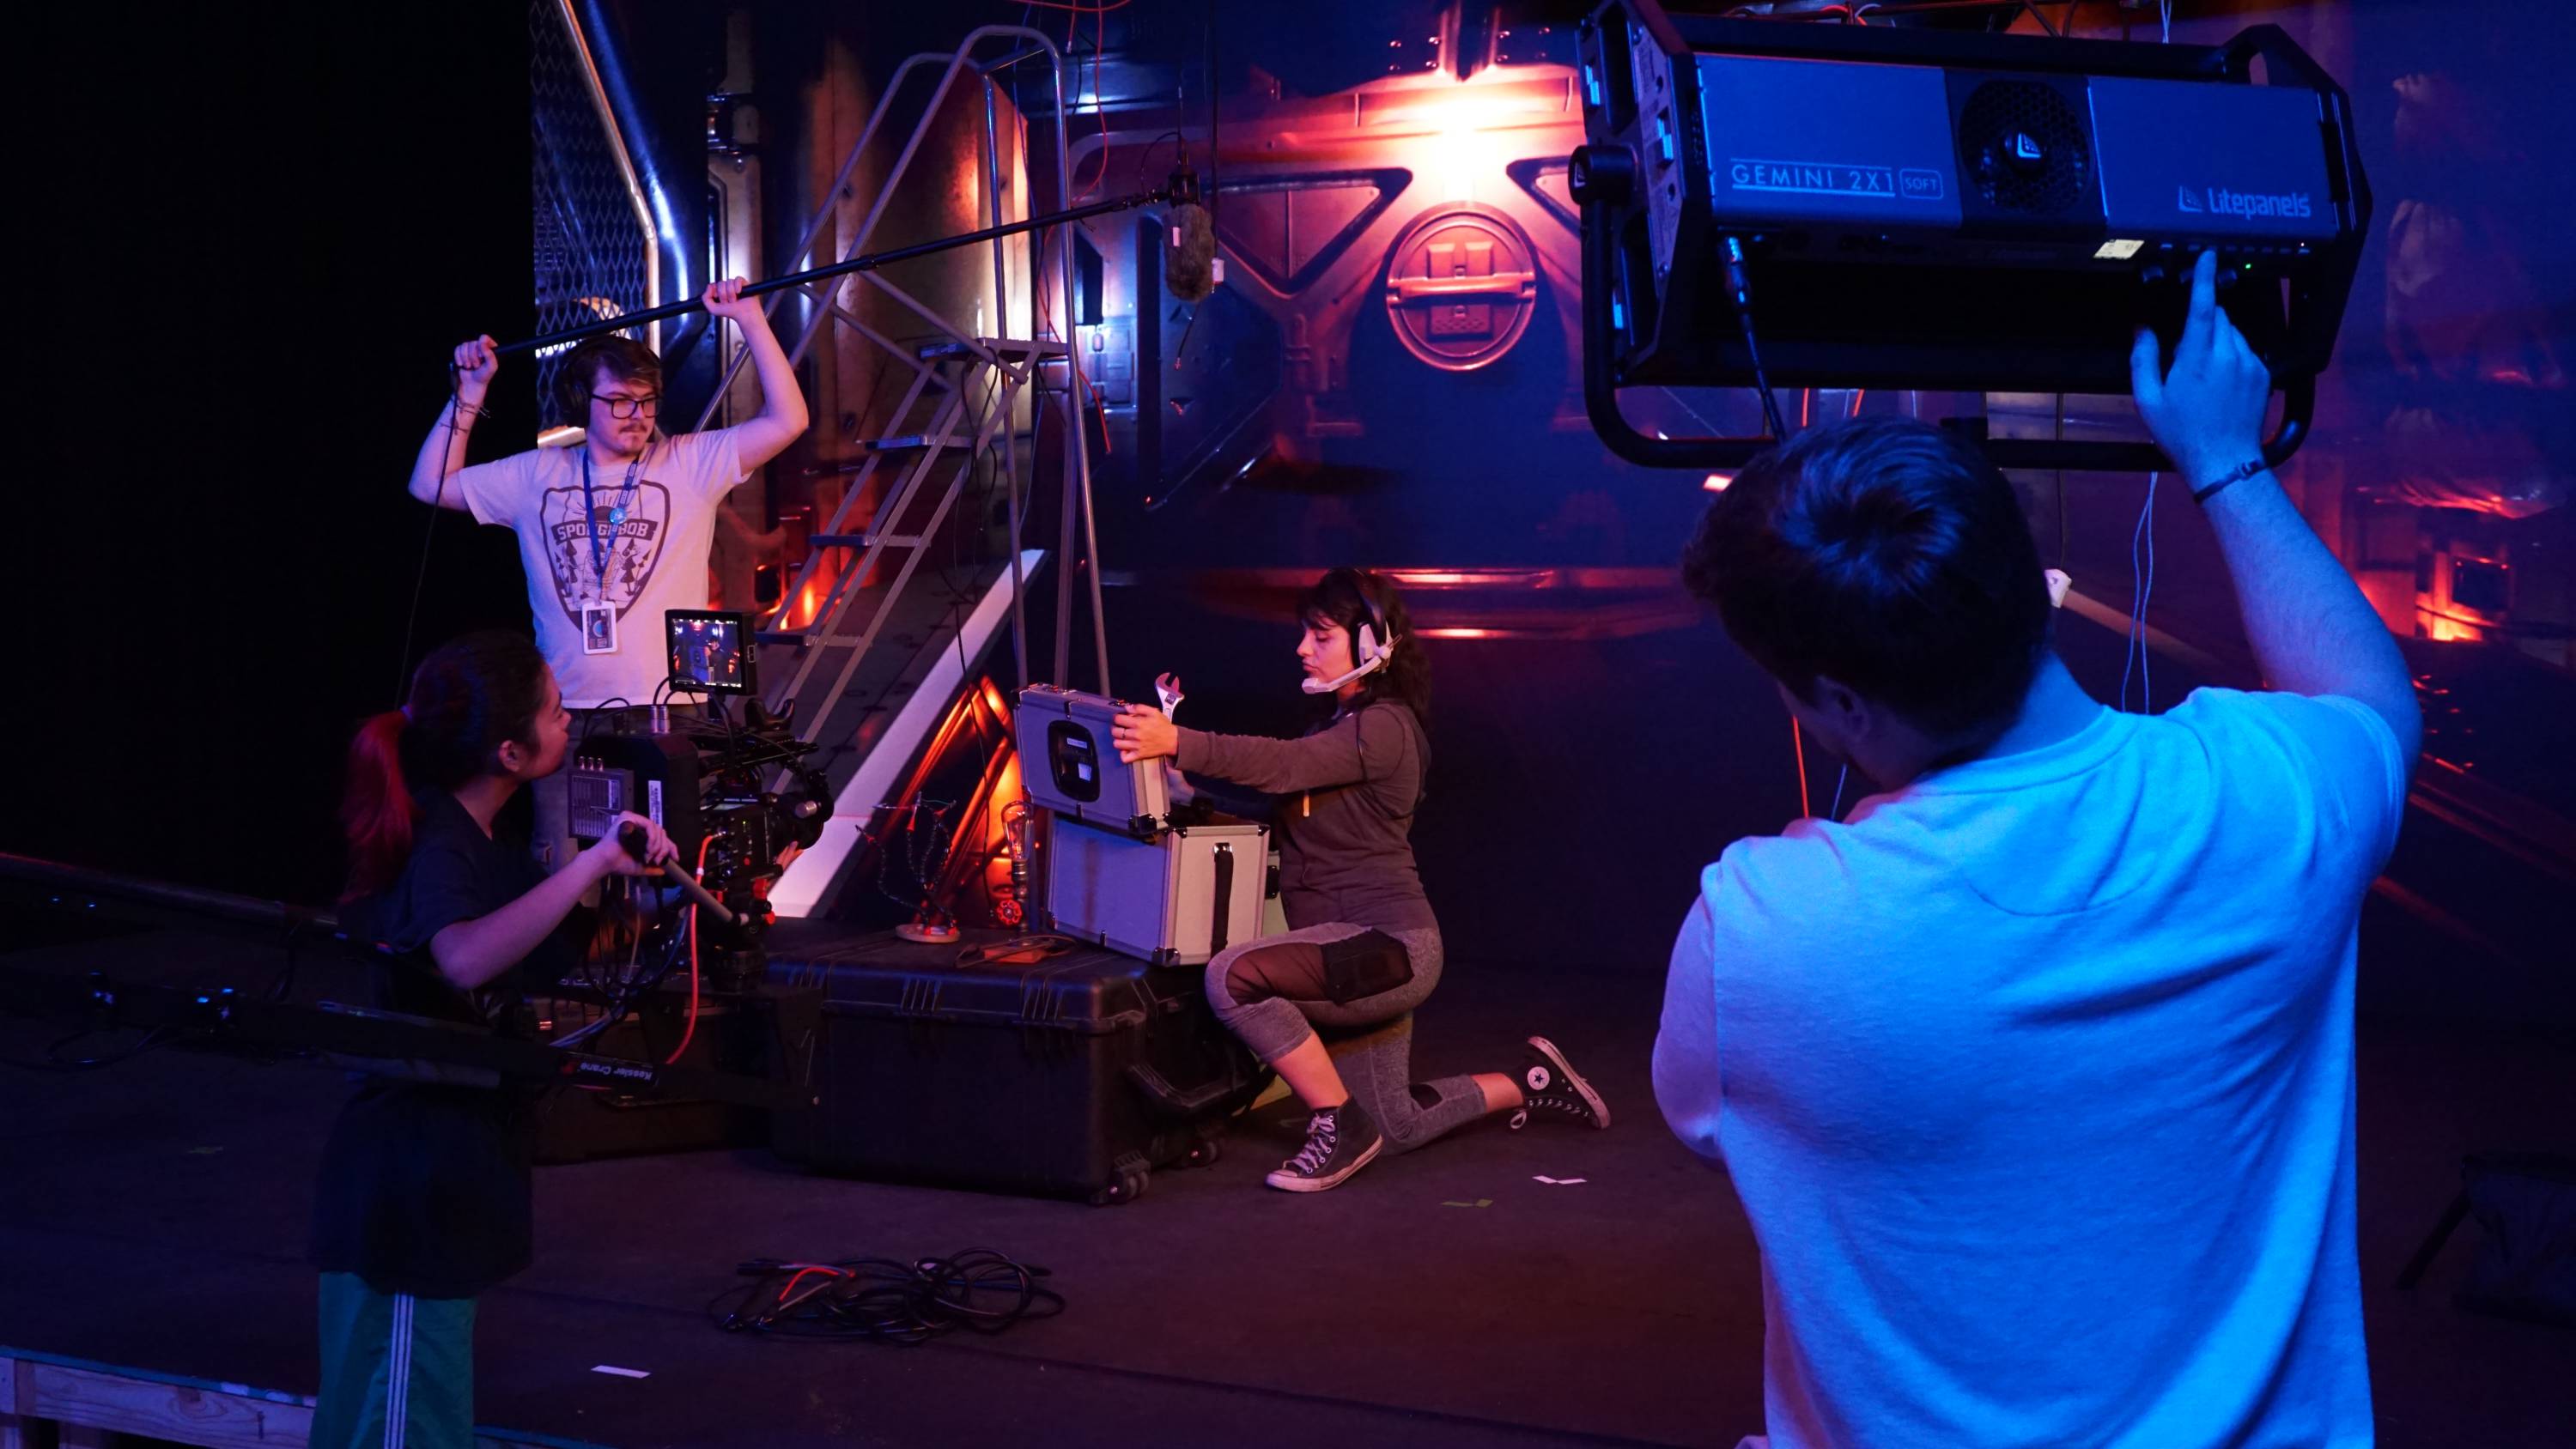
column 1469, row 578
column 801, row 612
column 1452, row 117
column 1459, row 633
column 1716, row 482
column 1469, row 105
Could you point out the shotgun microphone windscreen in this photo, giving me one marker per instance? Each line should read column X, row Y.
column 1189, row 254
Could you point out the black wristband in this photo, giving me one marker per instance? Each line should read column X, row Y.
column 2235, row 475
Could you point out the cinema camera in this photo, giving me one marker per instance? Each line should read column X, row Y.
column 733, row 792
column 1884, row 206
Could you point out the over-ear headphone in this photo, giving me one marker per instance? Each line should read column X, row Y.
column 1376, row 642
column 575, row 376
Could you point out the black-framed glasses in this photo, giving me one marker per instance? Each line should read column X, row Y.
column 627, row 407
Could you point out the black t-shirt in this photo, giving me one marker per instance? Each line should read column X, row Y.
column 425, row 1188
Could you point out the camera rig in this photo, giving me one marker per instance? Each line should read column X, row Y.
column 737, row 798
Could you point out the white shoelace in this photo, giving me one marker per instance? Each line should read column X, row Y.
column 1320, row 1137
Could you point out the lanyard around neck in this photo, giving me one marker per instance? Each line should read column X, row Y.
column 616, row 511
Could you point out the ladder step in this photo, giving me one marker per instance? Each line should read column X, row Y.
column 915, row 443
column 863, row 540
column 766, row 636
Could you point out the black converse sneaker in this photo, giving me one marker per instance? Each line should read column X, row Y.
column 1339, row 1141
column 1550, row 1084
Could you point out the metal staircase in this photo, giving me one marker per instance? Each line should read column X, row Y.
column 953, row 418
column 883, row 647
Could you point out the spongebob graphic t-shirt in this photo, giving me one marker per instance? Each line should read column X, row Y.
column 637, row 547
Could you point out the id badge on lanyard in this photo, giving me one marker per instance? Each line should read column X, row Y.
column 598, row 628
column 599, row 620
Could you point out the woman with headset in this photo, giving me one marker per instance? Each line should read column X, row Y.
column 1364, row 948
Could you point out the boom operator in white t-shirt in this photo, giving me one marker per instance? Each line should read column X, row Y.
column 616, row 529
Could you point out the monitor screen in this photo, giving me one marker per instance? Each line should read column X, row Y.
column 711, row 653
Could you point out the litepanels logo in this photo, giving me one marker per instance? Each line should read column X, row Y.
column 2223, row 202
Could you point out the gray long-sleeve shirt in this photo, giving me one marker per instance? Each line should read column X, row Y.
column 1344, row 847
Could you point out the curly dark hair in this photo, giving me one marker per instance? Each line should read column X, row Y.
column 1342, row 598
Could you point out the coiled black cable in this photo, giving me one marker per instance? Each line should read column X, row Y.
column 978, row 1289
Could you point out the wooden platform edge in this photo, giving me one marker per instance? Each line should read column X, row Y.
column 48, row 1400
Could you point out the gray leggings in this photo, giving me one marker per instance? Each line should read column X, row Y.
column 1269, row 993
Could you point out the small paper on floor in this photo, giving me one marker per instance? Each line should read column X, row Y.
column 1482, row 1202
column 1556, row 1181
column 623, row 1373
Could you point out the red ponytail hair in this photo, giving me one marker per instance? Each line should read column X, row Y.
column 376, row 809
column 469, row 697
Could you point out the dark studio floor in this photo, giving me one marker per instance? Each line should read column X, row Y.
column 152, row 1217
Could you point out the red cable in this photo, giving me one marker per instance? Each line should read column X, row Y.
column 1099, row 42
column 1071, row 22
column 1072, row 364
column 1857, row 394
column 1798, row 738
column 1806, row 404
column 691, row 1030
column 784, row 1294
column 1099, row 106
column 1099, row 102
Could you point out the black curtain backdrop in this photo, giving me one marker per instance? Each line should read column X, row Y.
column 256, row 232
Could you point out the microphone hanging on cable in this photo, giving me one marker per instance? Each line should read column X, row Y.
column 1189, row 248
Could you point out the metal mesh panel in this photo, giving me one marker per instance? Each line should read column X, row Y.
column 592, row 252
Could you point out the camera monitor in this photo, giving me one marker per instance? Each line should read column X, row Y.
column 711, row 652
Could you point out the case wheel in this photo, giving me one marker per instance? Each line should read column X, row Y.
column 1210, row 1145
column 1125, row 1188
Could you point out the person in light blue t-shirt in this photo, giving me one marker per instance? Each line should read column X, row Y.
column 2034, row 1075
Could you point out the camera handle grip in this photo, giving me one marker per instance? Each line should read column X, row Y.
column 631, row 837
